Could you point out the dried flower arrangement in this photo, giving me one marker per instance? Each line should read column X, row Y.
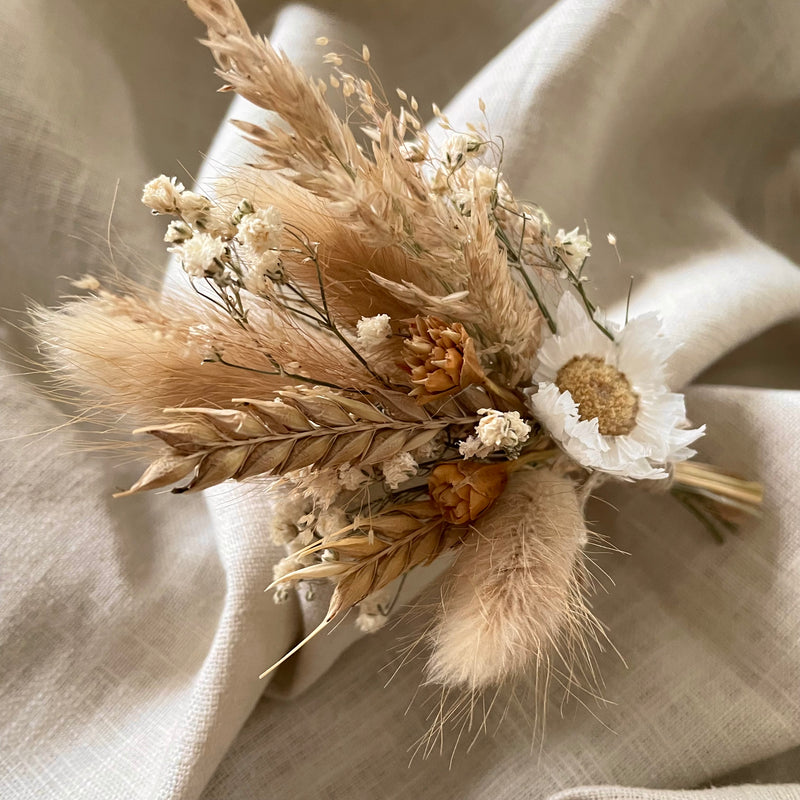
column 379, row 324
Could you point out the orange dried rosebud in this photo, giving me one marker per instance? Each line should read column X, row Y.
column 441, row 358
column 463, row 490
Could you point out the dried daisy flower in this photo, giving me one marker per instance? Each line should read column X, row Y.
column 321, row 486
column 606, row 401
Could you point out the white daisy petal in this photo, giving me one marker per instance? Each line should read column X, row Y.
column 641, row 352
column 587, row 432
column 552, row 408
column 573, row 335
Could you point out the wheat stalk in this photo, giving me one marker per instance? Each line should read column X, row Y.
column 300, row 429
column 398, row 540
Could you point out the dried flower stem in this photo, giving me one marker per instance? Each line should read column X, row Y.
column 516, row 263
column 278, row 371
column 725, row 487
column 578, row 284
column 715, row 497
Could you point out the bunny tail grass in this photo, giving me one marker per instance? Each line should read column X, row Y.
column 513, row 598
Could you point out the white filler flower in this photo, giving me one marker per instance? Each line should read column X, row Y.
column 261, row 230
column 606, row 403
column 373, row 331
column 497, row 430
column 200, row 255
column 163, row 195
column 399, row 468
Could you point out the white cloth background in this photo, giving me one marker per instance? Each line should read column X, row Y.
column 132, row 632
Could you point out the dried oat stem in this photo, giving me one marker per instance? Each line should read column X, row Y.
column 718, row 499
column 724, row 487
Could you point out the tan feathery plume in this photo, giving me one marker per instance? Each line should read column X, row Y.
column 505, row 315
column 141, row 353
column 126, row 353
column 347, row 262
column 513, row 599
column 274, row 336
column 302, row 428
column 385, row 198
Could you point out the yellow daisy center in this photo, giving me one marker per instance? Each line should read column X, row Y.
column 600, row 391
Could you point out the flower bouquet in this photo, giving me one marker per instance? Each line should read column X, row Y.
column 375, row 328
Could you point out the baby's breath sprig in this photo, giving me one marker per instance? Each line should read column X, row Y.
column 246, row 255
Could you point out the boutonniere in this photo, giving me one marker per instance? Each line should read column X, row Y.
column 372, row 320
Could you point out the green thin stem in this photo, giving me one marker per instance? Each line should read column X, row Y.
column 279, row 372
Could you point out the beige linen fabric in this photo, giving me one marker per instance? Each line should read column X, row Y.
column 132, row 632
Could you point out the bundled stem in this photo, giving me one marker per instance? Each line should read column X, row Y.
column 717, row 498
